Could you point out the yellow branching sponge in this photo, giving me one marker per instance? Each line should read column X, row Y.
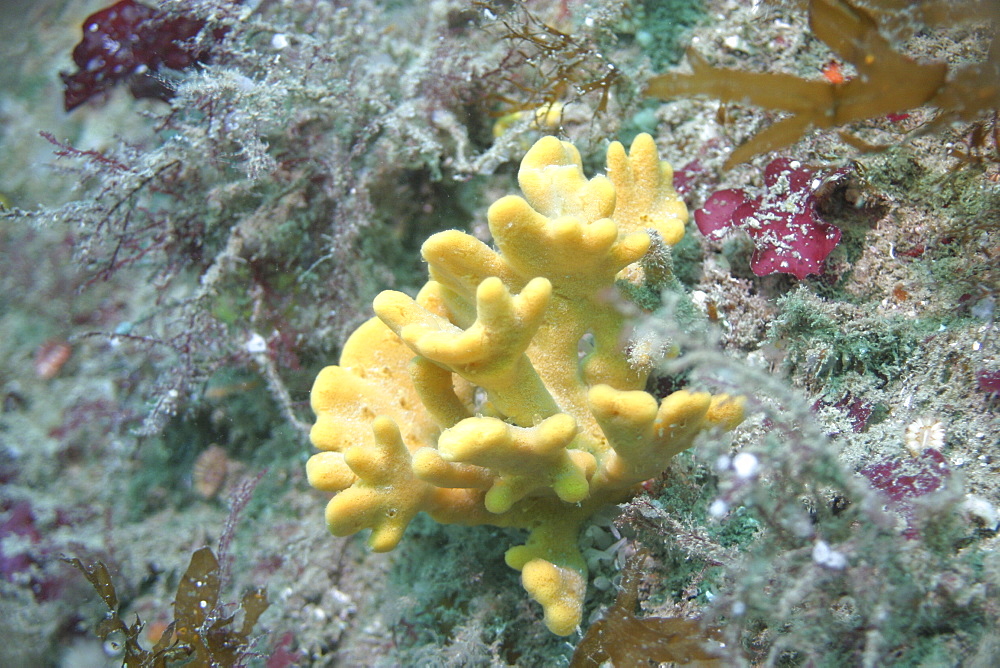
column 474, row 403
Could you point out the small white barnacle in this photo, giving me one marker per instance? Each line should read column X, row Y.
column 924, row 433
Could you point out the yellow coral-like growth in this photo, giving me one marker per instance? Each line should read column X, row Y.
column 472, row 402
